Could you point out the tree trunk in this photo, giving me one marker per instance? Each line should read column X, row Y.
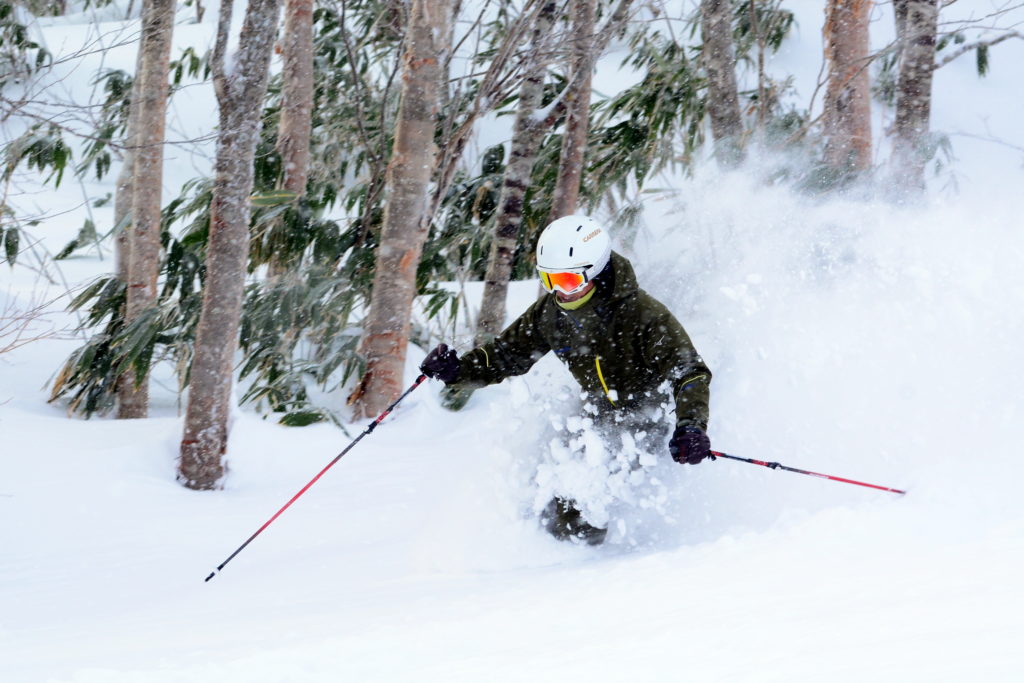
column 123, row 200
column 240, row 97
column 294, row 128
column 297, row 102
column 528, row 132
column 577, row 117
column 918, row 21
column 406, row 216
column 847, row 115
column 719, row 60
column 124, row 188
column 147, row 184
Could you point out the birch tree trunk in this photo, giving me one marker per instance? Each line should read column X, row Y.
column 847, row 115
column 293, row 132
column 147, row 183
column 577, row 118
column 297, row 101
column 406, row 215
column 240, row 95
column 723, row 103
column 124, row 197
column 528, row 132
column 917, row 21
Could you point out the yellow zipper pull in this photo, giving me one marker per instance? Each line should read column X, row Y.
column 600, row 376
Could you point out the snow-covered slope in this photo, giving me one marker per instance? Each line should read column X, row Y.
column 848, row 337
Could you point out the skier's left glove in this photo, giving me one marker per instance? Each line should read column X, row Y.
column 689, row 445
column 442, row 363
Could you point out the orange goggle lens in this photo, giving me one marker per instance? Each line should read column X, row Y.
column 567, row 282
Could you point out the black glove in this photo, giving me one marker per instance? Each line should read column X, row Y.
column 442, row 363
column 689, row 445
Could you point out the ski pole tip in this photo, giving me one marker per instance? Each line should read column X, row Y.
column 212, row 574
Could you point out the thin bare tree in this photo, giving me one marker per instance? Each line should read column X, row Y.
column 847, row 106
column 577, row 115
column 407, row 217
column 527, row 134
column 917, row 24
column 719, row 60
column 149, row 114
column 240, row 93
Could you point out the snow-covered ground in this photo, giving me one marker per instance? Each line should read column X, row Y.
column 851, row 337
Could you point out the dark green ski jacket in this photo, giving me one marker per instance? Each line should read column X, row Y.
column 622, row 346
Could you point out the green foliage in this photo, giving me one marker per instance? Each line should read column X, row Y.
column 11, row 239
column 303, row 418
column 650, row 125
column 981, row 60
column 460, row 242
column 41, row 148
column 884, row 79
column 296, row 331
column 954, row 38
column 20, row 56
column 86, row 236
column 773, row 25
column 190, row 63
column 89, row 377
column 111, row 124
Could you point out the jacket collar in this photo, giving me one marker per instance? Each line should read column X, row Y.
column 617, row 281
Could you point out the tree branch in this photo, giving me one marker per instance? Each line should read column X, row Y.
column 220, row 46
column 601, row 39
column 974, row 46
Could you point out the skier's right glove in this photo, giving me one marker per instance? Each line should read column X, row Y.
column 689, row 445
column 442, row 363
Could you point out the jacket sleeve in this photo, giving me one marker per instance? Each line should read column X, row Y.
column 513, row 352
column 668, row 348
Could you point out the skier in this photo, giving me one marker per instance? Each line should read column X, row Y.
column 626, row 350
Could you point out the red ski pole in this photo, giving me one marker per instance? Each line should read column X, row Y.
column 373, row 425
column 778, row 466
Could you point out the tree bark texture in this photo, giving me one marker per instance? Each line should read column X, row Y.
column 295, row 125
column 240, row 95
column 297, row 101
column 123, row 200
column 723, row 103
column 917, row 21
column 847, row 115
column 124, row 195
column 406, row 215
column 147, row 183
column 527, row 135
column 577, row 117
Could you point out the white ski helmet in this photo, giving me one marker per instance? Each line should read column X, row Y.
column 572, row 244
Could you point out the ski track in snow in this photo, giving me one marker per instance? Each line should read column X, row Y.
column 846, row 336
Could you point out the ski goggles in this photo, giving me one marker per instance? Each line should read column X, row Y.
column 565, row 281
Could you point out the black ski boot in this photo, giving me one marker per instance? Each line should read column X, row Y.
column 563, row 520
